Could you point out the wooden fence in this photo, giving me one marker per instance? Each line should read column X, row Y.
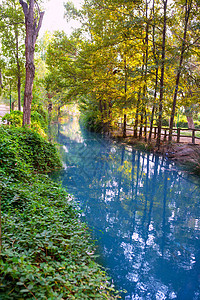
column 191, row 135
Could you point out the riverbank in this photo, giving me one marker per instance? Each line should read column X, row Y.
column 184, row 154
column 45, row 252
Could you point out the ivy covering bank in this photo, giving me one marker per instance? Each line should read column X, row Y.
column 46, row 251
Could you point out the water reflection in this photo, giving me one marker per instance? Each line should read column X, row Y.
column 143, row 212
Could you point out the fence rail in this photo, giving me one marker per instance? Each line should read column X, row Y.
column 178, row 135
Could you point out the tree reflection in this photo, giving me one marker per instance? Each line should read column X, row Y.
column 143, row 212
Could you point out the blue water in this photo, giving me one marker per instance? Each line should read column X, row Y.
column 144, row 213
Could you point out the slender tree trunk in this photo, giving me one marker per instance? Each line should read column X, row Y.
column 145, row 125
column 156, row 81
column 187, row 14
column 138, row 103
column 146, row 71
column 110, row 116
column 1, row 83
column 162, row 75
column 153, row 108
column 32, row 30
column 141, row 124
column 124, row 126
column 145, row 63
column 18, row 70
column 137, row 114
column 125, row 94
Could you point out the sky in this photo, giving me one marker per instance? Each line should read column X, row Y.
column 54, row 17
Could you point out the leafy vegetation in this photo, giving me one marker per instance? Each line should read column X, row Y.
column 132, row 61
column 39, row 120
column 46, row 253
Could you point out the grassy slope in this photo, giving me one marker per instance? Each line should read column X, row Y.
column 46, row 250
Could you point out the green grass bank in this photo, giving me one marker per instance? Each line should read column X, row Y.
column 46, row 252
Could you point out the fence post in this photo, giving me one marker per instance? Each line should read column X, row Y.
column 193, row 136
column 154, row 132
column 178, row 135
column 165, row 135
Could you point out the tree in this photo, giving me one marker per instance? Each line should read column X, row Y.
column 188, row 6
column 12, row 31
column 126, row 61
column 33, row 22
column 162, row 72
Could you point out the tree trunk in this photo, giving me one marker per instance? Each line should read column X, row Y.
column 153, row 108
column 18, row 70
column 141, row 124
column 1, row 83
column 137, row 114
column 162, row 75
column 190, row 122
column 156, row 82
column 32, row 30
column 145, row 125
column 138, row 103
column 146, row 71
column 124, row 126
column 187, row 14
column 125, row 94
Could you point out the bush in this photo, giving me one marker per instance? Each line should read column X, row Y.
column 15, row 118
column 38, row 121
column 183, row 124
column 91, row 120
column 47, row 252
column 165, row 123
column 197, row 124
column 22, row 149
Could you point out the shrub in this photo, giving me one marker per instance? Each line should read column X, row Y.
column 22, row 149
column 91, row 120
column 47, row 253
column 165, row 123
column 197, row 124
column 38, row 122
column 15, row 118
column 183, row 124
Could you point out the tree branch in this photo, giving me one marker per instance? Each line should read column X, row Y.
column 24, row 6
column 39, row 25
column 37, row 6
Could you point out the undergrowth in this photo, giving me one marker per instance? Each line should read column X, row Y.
column 47, row 253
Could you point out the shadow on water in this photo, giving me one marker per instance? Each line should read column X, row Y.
column 144, row 213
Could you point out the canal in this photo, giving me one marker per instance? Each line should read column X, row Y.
column 143, row 212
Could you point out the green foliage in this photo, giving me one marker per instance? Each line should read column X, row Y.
column 39, row 119
column 91, row 120
column 15, row 118
column 12, row 35
column 118, row 57
column 183, row 124
column 22, row 149
column 165, row 122
column 197, row 124
column 46, row 251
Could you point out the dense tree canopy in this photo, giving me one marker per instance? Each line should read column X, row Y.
column 12, row 34
column 131, row 61
column 136, row 60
